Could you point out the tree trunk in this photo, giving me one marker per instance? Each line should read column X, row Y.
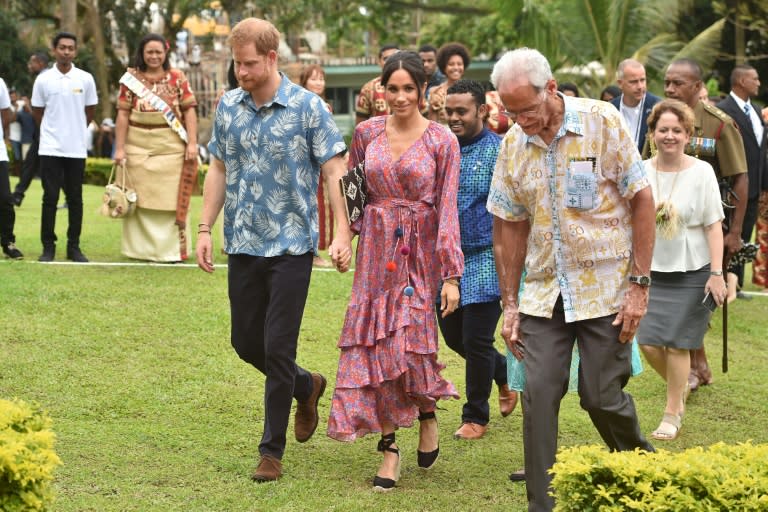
column 69, row 16
column 100, row 73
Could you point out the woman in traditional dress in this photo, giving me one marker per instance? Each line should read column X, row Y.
column 156, row 139
column 687, row 257
column 312, row 78
column 408, row 254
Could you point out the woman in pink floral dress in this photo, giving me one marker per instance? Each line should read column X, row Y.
column 409, row 252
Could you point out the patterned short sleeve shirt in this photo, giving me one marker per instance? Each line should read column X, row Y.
column 479, row 282
column 272, row 155
column 575, row 193
column 371, row 101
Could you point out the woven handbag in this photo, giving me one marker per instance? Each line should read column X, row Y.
column 118, row 200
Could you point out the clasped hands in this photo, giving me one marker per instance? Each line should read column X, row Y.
column 340, row 252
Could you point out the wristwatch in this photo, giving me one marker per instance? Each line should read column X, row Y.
column 644, row 281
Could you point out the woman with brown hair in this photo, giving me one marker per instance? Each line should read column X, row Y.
column 408, row 254
column 687, row 261
column 156, row 140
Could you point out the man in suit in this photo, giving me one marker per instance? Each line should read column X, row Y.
column 745, row 84
column 635, row 102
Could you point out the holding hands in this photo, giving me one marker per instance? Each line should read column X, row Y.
column 340, row 251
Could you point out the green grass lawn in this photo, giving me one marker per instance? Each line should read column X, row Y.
column 154, row 411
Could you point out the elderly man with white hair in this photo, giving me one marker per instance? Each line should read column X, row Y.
column 571, row 203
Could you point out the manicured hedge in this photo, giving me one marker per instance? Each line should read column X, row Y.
column 719, row 478
column 27, row 459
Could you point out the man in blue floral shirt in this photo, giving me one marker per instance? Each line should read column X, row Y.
column 470, row 330
column 271, row 140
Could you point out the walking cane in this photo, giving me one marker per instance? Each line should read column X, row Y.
column 725, row 336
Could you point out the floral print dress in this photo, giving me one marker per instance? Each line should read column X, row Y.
column 409, row 242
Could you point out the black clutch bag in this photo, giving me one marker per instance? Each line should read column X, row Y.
column 354, row 191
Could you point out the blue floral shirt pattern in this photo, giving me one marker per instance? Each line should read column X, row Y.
column 272, row 155
column 478, row 161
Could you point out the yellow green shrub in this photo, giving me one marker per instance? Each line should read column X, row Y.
column 719, row 478
column 27, row 459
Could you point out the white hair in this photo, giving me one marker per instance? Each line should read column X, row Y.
column 627, row 63
column 522, row 63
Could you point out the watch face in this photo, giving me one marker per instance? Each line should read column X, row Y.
column 641, row 280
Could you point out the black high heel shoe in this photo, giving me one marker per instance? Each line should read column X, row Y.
column 385, row 445
column 427, row 459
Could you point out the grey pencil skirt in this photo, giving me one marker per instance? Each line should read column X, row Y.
column 676, row 317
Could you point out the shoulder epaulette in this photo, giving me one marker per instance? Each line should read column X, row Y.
column 717, row 112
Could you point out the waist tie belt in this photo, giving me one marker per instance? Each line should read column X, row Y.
column 147, row 126
column 409, row 208
column 393, row 202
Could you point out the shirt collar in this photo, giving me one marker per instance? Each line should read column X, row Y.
column 464, row 143
column 571, row 119
column 281, row 96
column 740, row 102
column 56, row 69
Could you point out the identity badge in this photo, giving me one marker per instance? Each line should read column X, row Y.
column 581, row 184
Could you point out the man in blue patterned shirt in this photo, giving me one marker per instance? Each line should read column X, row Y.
column 469, row 331
column 271, row 140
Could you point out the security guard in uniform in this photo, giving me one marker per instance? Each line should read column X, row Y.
column 716, row 139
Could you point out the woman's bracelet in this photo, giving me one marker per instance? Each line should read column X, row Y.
column 716, row 272
column 204, row 231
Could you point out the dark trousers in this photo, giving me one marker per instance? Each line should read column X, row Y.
column 604, row 370
column 469, row 331
column 7, row 214
column 267, row 298
column 29, row 168
column 59, row 173
column 750, row 219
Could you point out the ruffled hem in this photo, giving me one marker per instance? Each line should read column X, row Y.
column 368, row 323
column 356, row 412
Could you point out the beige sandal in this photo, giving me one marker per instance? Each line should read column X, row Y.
column 669, row 428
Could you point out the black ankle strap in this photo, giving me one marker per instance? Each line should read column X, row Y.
column 386, row 442
column 426, row 415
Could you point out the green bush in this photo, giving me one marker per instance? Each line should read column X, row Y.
column 97, row 171
column 27, row 459
column 719, row 478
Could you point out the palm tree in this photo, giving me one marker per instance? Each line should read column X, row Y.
column 574, row 33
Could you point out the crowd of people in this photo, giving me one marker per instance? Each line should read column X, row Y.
column 599, row 224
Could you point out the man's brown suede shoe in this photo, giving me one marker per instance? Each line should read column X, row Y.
column 507, row 400
column 269, row 469
column 470, row 430
column 305, row 421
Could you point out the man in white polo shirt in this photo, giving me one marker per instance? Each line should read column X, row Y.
column 63, row 103
column 7, row 215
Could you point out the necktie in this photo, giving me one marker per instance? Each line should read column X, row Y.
column 746, row 109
